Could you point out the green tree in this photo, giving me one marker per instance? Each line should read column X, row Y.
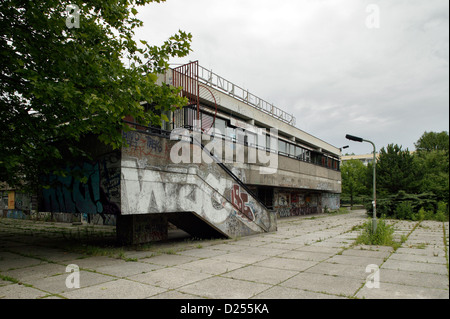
column 60, row 79
column 432, row 160
column 396, row 170
column 353, row 179
column 432, row 141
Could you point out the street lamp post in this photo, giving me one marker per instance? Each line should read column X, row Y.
column 374, row 203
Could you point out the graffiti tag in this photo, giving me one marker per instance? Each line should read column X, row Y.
column 239, row 199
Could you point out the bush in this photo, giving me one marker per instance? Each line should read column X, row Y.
column 442, row 212
column 404, row 210
column 383, row 236
column 410, row 207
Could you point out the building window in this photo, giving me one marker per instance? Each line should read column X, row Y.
column 207, row 122
column 307, row 156
column 292, row 150
column 261, row 141
column 282, row 147
column 250, row 139
column 220, row 126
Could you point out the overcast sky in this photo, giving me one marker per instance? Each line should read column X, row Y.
column 374, row 69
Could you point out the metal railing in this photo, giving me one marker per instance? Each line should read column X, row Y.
column 306, row 156
column 212, row 79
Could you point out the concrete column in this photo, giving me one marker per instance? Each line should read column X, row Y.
column 141, row 229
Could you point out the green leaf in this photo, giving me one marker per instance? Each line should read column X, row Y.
column 81, row 80
column 164, row 118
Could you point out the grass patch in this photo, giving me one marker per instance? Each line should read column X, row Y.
column 10, row 279
column 340, row 211
column 383, row 236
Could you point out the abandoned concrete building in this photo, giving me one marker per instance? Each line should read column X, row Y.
column 228, row 164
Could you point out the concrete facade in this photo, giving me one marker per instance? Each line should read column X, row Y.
column 237, row 188
column 152, row 184
column 307, row 175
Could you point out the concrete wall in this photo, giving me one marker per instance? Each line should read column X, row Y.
column 293, row 173
column 153, row 184
column 232, row 105
column 292, row 202
column 295, row 202
column 94, row 200
column 100, row 194
column 143, row 180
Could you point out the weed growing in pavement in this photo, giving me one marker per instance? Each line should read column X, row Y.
column 383, row 236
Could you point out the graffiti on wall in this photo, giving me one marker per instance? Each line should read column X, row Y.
column 296, row 204
column 149, row 191
column 142, row 145
column 240, row 200
column 331, row 201
column 96, row 193
column 152, row 183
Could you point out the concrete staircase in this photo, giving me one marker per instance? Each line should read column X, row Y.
column 205, row 200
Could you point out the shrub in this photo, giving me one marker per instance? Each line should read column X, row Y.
column 383, row 235
column 410, row 207
column 404, row 210
column 442, row 212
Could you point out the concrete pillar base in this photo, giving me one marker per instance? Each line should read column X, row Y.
column 141, row 229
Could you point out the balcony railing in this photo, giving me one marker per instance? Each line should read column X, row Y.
column 210, row 78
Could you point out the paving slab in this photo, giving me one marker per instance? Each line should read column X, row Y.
column 169, row 260
column 356, row 261
column 169, row 278
column 201, row 253
column 93, row 262
column 306, row 258
column 17, row 291
column 228, row 248
column 139, row 254
column 264, row 251
column 435, row 259
column 4, row 282
column 315, row 248
column 337, row 285
column 173, row 294
column 109, row 290
column 413, row 278
column 291, row 293
column 330, row 244
column 241, row 257
column 35, row 272
column 57, row 284
column 211, row 266
column 281, row 246
column 306, row 255
column 341, row 270
column 367, row 253
column 415, row 266
column 13, row 261
column 124, row 269
column 427, row 251
column 286, row 263
column 225, row 288
column 261, row 274
column 398, row 291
